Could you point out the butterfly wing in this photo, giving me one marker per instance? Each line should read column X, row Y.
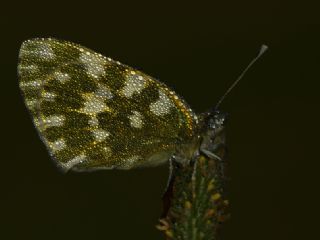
column 93, row 112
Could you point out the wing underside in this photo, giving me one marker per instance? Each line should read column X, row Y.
column 95, row 113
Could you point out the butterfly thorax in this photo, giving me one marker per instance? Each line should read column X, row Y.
column 208, row 138
column 213, row 133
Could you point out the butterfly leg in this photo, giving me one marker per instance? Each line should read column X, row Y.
column 168, row 193
column 211, row 153
column 212, row 143
column 175, row 163
column 170, row 173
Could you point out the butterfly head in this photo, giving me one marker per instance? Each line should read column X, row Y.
column 214, row 121
column 217, row 120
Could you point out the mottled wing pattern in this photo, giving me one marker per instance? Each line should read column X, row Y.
column 93, row 112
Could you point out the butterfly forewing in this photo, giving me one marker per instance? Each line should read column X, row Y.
column 93, row 112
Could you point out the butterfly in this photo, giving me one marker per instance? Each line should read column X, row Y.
column 93, row 112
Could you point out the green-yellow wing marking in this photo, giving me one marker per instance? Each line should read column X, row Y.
column 93, row 112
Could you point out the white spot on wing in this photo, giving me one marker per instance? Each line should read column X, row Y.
column 104, row 92
column 31, row 103
column 35, row 48
column 136, row 119
column 131, row 161
column 93, row 121
column 76, row 160
column 44, row 51
column 27, row 69
column 94, row 104
column 48, row 96
column 107, row 151
column 57, row 145
column 52, row 121
column 134, row 84
column 93, row 63
column 35, row 84
column 61, row 77
column 162, row 106
column 100, row 134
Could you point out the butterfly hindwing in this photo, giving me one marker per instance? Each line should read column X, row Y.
column 93, row 112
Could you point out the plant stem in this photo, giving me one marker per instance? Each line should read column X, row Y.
column 196, row 203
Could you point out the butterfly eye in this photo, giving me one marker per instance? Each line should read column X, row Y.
column 221, row 118
column 216, row 120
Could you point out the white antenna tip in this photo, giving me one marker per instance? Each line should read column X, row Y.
column 263, row 49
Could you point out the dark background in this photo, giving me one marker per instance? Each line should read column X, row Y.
column 199, row 49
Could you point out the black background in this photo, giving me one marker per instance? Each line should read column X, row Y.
column 198, row 48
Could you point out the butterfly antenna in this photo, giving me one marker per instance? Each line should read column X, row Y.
column 261, row 52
